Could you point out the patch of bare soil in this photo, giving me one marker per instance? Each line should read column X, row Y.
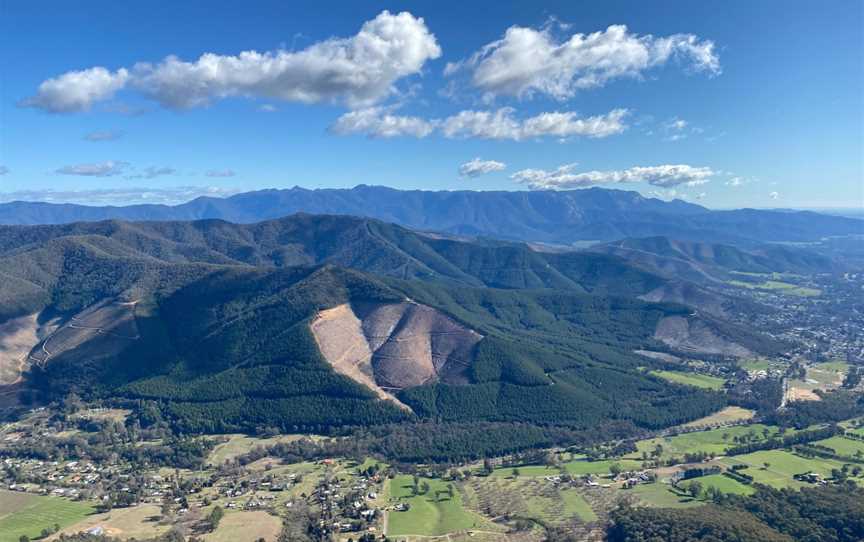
column 800, row 394
column 17, row 337
column 687, row 294
column 390, row 346
column 692, row 334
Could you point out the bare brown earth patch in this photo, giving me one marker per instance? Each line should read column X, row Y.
column 800, row 394
column 17, row 337
column 391, row 346
column 694, row 335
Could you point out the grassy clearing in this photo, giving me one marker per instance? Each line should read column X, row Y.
column 829, row 374
column 237, row 445
column 601, row 468
column 778, row 286
column 822, row 376
column 528, row 497
column 432, row 514
column 782, row 466
column 855, row 425
column 136, row 522
column 577, row 467
column 659, row 495
column 722, row 483
column 527, row 470
column 576, row 505
column 709, row 442
column 246, row 527
column 561, row 506
column 113, row 414
column 727, row 415
column 843, row 446
column 691, row 379
column 25, row 514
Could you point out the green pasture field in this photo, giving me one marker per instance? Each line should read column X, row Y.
column 710, row 441
column 27, row 514
column 722, row 483
column 843, row 446
column 727, row 415
column 434, row 514
column 691, row 379
column 782, row 466
column 660, row 495
column 776, row 285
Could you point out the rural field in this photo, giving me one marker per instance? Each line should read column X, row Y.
column 661, row 495
column 721, row 483
column 691, row 379
column 711, row 442
column 778, row 286
column 600, row 468
column 27, row 514
column 529, row 497
column 437, row 512
column 730, row 414
column 844, row 446
column 135, row 522
column 237, row 445
column 246, row 527
column 776, row 468
column 821, row 376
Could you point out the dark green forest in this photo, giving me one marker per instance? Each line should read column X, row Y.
column 824, row 514
column 223, row 311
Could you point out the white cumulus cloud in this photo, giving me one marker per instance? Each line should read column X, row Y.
column 500, row 124
column 526, row 61
column 108, row 168
column 566, row 176
column 477, row 167
column 567, row 124
column 77, row 90
column 358, row 70
column 379, row 122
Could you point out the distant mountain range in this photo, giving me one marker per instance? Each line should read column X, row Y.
column 555, row 217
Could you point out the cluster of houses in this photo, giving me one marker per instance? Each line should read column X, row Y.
column 822, row 326
column 633, row 478
column 811, row 478
column 60, row 478
column 348, row 505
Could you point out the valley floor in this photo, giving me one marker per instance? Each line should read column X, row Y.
column 512, row 499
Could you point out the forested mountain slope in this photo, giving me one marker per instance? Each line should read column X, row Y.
column 704, row 262
column 360, row 243
column 208, row 325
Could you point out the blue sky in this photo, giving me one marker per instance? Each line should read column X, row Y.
column 731, row 104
